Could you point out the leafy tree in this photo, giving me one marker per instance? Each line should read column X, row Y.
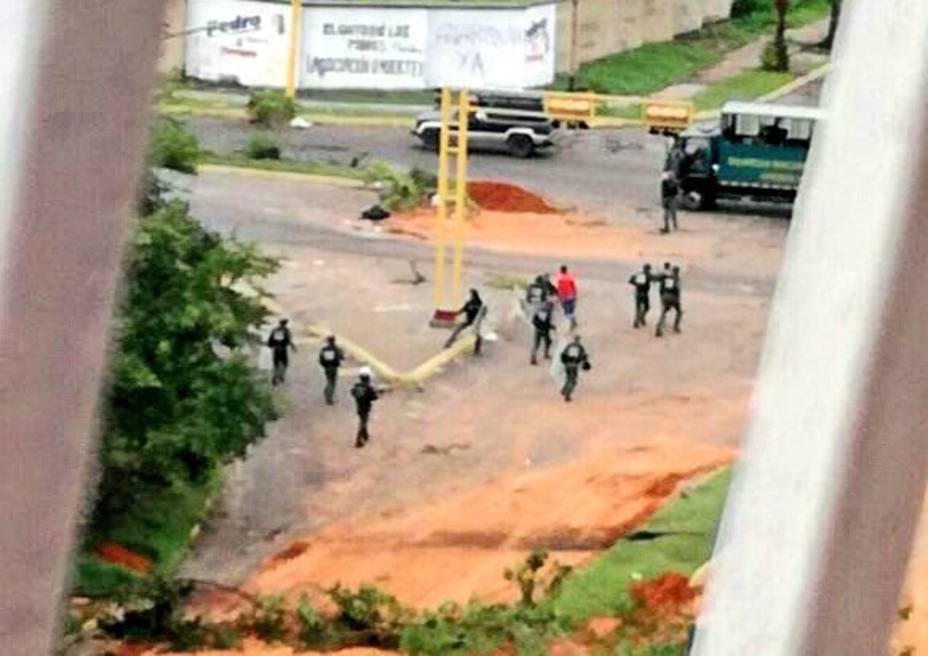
column 183, row 396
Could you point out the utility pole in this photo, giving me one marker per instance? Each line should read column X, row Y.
column 296, row 32
column 574, row 20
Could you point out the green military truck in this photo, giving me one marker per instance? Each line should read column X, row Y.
column 755, row 151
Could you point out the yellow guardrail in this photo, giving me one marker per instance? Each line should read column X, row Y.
column 667, row 115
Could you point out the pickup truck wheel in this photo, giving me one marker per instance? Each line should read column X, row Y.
column 431, row 140
column 520, row 146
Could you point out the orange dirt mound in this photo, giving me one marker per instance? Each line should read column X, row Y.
column 669, row 593
column 118, row 555
column 504, row 197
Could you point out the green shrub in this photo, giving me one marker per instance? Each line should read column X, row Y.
column 262, row 146
column 426, row 180
column 401, row 191
column 271, row 108
column 313, row 629
column 267, row 619
column 173, row 147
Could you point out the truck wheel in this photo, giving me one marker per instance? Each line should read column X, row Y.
column 431, row 140
column 698, row 200
column 520, row 146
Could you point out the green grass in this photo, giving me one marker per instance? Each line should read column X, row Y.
column 158, row 528
column 602, row 587
column 285, row 165
column 749, row 84
column 631, row 112
column 655, row 66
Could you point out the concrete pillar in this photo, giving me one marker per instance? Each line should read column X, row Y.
column 822, row 511
column 78, row 86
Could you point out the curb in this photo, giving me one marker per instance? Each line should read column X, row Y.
column 796, row 84
column 317, row 178
column 412, row 378
column 320, row 118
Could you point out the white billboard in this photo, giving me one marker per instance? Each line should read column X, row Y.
column 238, row 41
column 372, row 48
column 505, row 48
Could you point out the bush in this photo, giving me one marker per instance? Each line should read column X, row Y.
column 271, row 108
column 775, row 57
column 262, row 146
column 173, row 147
column 267, row 620
column 401, row 191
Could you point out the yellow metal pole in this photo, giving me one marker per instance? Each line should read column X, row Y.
column 460, row 195
column 441, row 217
column 296, row 34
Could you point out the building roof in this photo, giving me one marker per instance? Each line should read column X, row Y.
column 769, row 109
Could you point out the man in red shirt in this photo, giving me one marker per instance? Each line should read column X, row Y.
column 567, row 295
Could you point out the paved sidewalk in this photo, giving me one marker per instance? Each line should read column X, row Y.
column 748, row 58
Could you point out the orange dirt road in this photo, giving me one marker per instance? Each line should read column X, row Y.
column 574, row 510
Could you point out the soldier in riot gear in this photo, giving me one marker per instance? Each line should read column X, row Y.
column 641, row 281
column 544, row 326
column 574, row 358
column 670, row 300
column 364, row 395
column 330, row 359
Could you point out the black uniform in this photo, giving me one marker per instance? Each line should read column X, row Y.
column 330, row 359
column 364, row 396
column 536, row 294
column 544, row 326
column 471, row 311
column 670, row 191
column 280, row 341
column 573, row 358
column 670, row 300
column 641, row 281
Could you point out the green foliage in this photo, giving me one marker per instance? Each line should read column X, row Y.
column 313, row 628
column 173, row 147
column 154, row 610
column 267, row 619
column 529, row 577
column 96, row 578
column 262, row 146
column 271, row 108
column 401, row 191
column 477, row 628
column 176, row 405
column 371, row 612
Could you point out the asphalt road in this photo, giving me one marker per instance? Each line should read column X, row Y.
column 594, row 169
column 591, row 168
